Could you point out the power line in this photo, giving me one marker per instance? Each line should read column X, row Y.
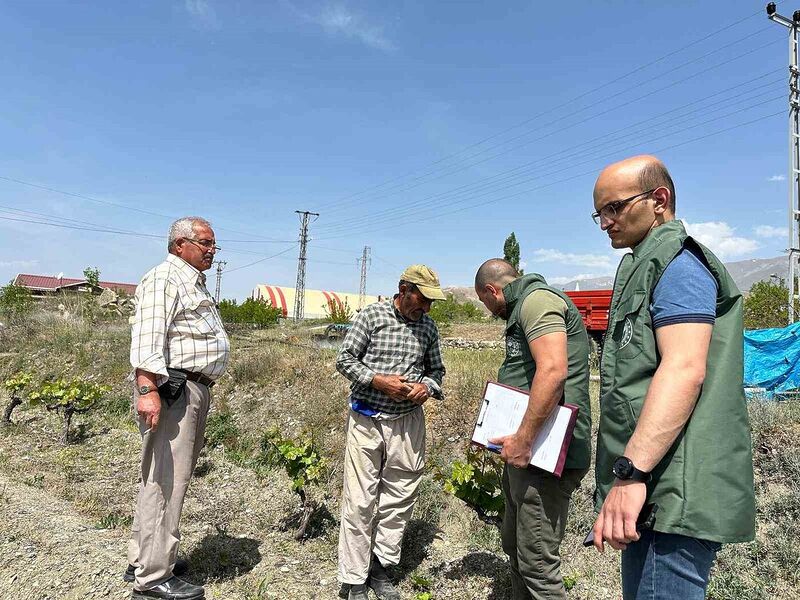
column 489, row 184
column 572, row 125
column 553, row 109
column 255, row 262
column 416, row 218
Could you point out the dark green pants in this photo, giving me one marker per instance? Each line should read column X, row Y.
column 533, row 527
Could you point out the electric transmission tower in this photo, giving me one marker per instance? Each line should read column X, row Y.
column 362, row 288
column 794, row 150
column 300, row 288
column 220, row 265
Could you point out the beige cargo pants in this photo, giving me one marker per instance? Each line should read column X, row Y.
column 169, row 455
column 383, row 463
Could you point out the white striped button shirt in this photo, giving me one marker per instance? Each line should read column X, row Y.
column 177, row 324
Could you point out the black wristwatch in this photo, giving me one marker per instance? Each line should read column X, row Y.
column 624, row 470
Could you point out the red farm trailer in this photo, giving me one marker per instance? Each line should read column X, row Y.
column 594, row 306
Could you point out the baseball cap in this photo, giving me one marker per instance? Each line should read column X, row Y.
column 425, row 279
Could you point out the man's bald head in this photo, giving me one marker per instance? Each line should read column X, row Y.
column 496, row 272
column 644, row 172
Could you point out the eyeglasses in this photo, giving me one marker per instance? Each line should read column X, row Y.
column 206, row 244
column 612, row 209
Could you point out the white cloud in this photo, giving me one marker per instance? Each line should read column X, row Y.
column 721, row 239
column 18, row 264
column 777, row 178
column 768, row 231
column 567, row 258
column 202, row 13
column 337, row 19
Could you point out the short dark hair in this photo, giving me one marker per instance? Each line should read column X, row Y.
column 412, row 286
column 654, row 175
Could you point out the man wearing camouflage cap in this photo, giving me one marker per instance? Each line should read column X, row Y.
column 392, row 358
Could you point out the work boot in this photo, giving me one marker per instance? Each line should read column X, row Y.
column 380, row 582
column 358, row 592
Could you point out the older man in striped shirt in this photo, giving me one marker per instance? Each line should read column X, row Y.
column 178, row 349
column 392, row 358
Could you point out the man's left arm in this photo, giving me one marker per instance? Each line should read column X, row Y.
column 667, row 407
column 430, row 384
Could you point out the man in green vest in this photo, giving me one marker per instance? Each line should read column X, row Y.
column 547, row 353
column 674, row 429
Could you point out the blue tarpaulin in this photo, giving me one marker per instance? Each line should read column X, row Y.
column 772, row 358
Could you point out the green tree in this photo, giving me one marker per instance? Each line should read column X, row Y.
column 252, row 312
column 15, row 300
column 511, row 251
column 767, row 305
column 451, row 310
column 92, row 276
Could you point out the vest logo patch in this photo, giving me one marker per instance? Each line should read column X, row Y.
column 627, row 333
column 513, row 347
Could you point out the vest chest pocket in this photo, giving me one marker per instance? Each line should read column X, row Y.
column 628, row 327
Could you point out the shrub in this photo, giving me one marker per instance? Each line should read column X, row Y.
column 451, row 310
column 15, row 385
column 68, row 398
column 15, row 301
column 477, row 481
column 767, row 305
column 252, row 312
column 338, row 312
column 302, row 463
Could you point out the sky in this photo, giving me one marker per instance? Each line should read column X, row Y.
column 427, row 131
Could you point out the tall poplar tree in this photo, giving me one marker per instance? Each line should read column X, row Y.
column 511, row 251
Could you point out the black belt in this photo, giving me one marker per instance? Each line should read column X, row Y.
column 198, row 377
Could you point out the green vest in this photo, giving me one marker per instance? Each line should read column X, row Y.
column 519, row 368
column 704, row 484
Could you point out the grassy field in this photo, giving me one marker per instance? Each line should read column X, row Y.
column 241, row 513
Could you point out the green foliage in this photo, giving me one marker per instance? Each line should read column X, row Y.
column 18, row 382
column 767, row 305
column 570, row 581
column 67, row 397
column 92, row 276
column 15, row 300
column 221, row 430
column 255, row 312
column 302, row 461
column 511, row 251
column 451, row 310
column 477, row 481
column 114, row 520
column 338, row 313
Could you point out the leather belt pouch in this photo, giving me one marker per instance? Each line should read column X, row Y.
column 173, row 388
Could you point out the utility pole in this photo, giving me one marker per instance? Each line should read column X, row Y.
column 220, row 265
column 794, row 151
column 362, row 289
column 300, row 288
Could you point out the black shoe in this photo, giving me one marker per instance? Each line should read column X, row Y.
column 380, row 582
column 358, row 592
column 172, row 589
column 181, row 566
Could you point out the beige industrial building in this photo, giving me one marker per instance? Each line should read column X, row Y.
column 316, row 301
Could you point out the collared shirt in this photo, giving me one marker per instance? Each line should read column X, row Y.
column 177, row 324
column 382, row 341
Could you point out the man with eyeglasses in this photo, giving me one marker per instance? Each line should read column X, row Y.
column 179, row 348
column 674, row 430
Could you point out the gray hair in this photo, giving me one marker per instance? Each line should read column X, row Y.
column 184, row 228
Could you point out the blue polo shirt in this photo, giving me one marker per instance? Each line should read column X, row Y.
column 686, row 292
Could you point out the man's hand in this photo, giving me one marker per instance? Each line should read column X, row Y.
column 149, row 408
column 418, row 394
column 394, row 386
column 616, row 523
column 516, row 449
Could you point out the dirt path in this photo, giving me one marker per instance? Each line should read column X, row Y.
column 50, row 552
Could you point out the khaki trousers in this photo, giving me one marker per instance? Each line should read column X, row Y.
column 383, row 463
column 169, row 456
column 537, row 504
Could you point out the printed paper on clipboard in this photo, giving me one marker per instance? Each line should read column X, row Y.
column 501, row 412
